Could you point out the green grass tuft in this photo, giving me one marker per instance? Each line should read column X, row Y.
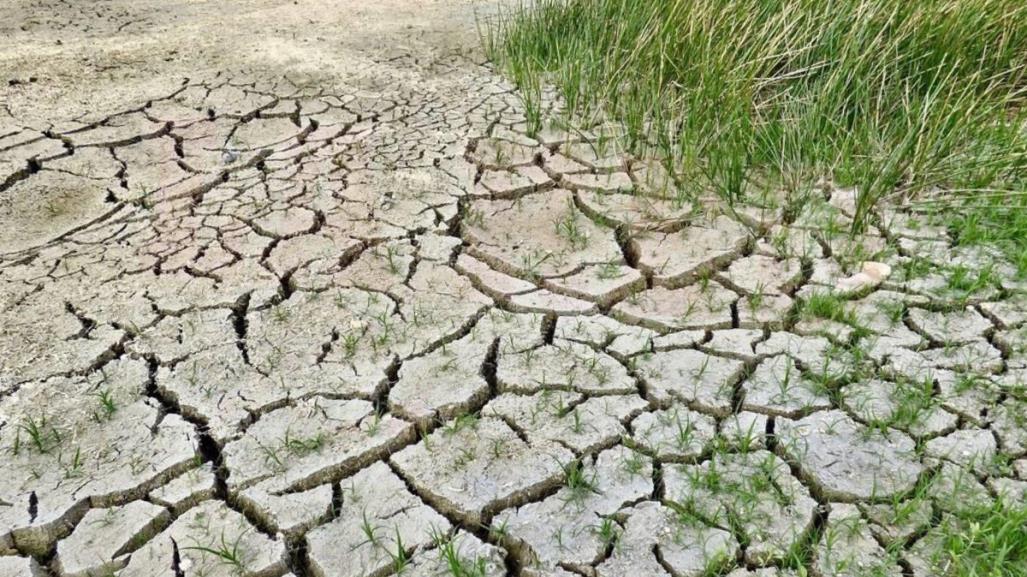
column 987, row 542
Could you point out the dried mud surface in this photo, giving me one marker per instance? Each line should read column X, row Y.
column 287, row 289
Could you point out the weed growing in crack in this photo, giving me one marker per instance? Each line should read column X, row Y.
column 374, row 424
column 532, row 261
column 893, row 311
column 608, row 532
column 280, row 314
column 779, row 241
column 828, row 306
column 579, row 483
column 577, row 427
column 392, row 259
column 501, row 531
column 684, row 433
column 609, row 271
column 747, row 440
column 709, row 478
column 464, row 457
column 913, row 401
column 914, row 267
column 500, row 155
column 458, row 565
column 399, row 554
column 497, row 448
column 271, row 457
column 110, row 515
column 569, row 228
column 635, row 465
column 699, row 372
column 370, row 532
column 350, row 342
column 42, row 435
column 461, row 423
column 784, row 384
column 690, row 308
column 301, row 446
column 74, row 468
column 636, row 298
column 225, row 552
column 755, row 300
column 108, row 406
column 716, row 563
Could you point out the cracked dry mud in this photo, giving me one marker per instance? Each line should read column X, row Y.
column 267, row 322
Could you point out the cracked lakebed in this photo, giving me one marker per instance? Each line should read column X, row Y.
column 263, row 326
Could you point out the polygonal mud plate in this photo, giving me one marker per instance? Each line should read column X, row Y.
column 845, row 460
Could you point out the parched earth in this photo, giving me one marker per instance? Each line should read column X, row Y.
column 350, row 320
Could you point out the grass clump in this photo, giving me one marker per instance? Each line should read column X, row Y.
column 985, row 542
column 989, row 219
column 737, row 96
